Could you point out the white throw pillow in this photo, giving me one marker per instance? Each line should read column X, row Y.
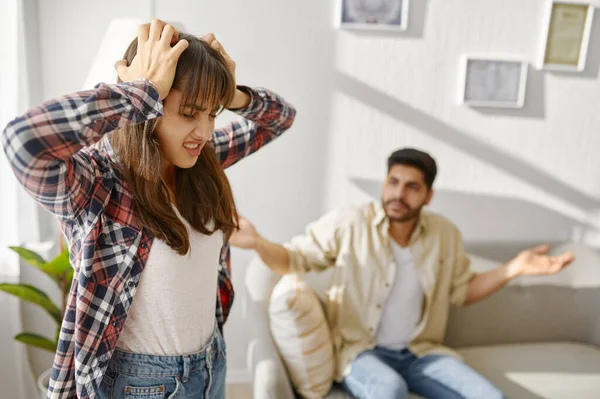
column 301, row 332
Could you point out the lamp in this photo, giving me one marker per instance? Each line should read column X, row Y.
column 119, row 34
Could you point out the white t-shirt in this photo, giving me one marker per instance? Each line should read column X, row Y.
column 402, row 310
column 173, row 311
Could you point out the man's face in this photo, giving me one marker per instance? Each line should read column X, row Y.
column 404, row 193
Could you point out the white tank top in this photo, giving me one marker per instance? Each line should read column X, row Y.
column 173, row 311
column 402, row 310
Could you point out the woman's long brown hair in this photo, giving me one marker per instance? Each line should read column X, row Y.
column 202, row 193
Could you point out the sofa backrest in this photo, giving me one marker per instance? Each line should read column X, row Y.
column 562, row 307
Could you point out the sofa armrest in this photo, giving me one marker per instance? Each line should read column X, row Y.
column 269, row 376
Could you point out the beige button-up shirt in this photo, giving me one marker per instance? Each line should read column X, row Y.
column 356, row 242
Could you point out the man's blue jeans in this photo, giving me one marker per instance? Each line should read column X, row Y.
column 390, row 374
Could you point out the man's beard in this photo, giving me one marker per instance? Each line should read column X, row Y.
column 408, row 216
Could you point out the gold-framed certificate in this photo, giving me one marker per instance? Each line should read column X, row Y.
column 567, row 35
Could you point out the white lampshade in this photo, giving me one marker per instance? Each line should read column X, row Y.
column 119, row 34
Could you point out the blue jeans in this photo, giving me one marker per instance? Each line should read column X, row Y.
column 390, row 374
column 137, row 376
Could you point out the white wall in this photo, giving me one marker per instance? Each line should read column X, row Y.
column 504, row 174
column 509, row 175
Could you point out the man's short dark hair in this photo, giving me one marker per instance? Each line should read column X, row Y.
column 418, row 159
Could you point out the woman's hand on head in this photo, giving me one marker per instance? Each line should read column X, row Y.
column 240, row 99
column 155, row 60
column 214, row 43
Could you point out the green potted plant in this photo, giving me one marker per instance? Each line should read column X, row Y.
column 60, row 271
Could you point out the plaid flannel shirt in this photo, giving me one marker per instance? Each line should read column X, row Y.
column 51, row 149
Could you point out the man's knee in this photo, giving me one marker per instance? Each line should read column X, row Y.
column 386, row 385
column 372, row 378
column 391, row 387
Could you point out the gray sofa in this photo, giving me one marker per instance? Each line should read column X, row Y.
column 537, row 338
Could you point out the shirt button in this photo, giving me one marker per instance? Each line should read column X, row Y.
column 370, row 329
column 115, row 324
column 131, row 283
column 378, row 306
column 387, row 285
column 143, row 245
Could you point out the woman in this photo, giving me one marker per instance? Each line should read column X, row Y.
column 134, row 173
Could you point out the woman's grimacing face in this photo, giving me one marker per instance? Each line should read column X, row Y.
column 182, row 136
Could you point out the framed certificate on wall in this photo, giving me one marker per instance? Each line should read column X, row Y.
column 384, row 15
column 566, row 35
column 493, row 81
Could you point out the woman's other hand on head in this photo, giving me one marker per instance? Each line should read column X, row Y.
column 214, row 43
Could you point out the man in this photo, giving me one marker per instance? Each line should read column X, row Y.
column 397, row 271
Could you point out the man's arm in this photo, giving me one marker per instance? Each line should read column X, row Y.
column 274, row 255
column 485, row 284
column 532, row 261
column 316, row 250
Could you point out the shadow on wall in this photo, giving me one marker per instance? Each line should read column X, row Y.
column 450, row 135
column 486, row 218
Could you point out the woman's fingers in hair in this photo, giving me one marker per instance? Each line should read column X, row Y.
column 174, row 38
column 179, row 48
column 214, row 43
column 209, row 38
column 169, row 35
column 121, row 68
column 217, row 46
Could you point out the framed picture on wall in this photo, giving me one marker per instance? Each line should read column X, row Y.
column 493, row 81
column 566, row 35
column 385, row 15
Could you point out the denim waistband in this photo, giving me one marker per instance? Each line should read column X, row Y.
column 137, row 364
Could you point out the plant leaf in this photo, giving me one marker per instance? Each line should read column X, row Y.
column 59, row 265
column 31, row 294
column 35, row 260
column 29, row 256
column 37, row 341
